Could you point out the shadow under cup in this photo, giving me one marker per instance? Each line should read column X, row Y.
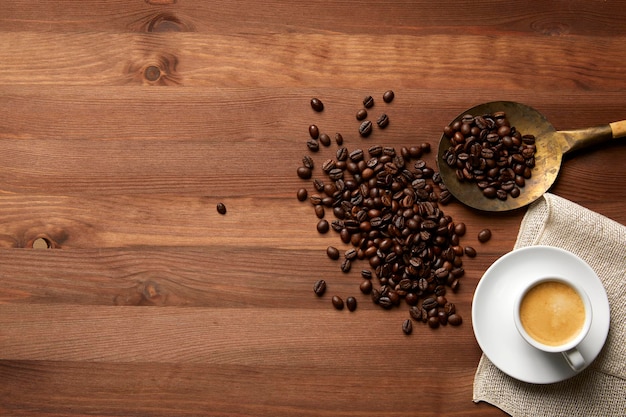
column 554, row 315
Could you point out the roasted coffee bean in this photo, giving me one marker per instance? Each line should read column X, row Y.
column 302, row 194
column 346, row 265
column 385, row 302
column 314, row 131
column 484, row 235
column 383, row 121
column 339, row 139
column 332, row 252
column 304, row 172
column 324, row 139
column 470, row 251
column 317, row 105
column 366, row 286
column 342, row 154
column 351, row 303
column 313, row 145
column 388, row 96
column 365, row 129
column 319, row 288
column 323, row 226
column 455, row 319
column 361, row 114
column 350, row 254
column 407, row 326
column 319, row 211
column 433, row 322
column 460, row 229
column 368, row 102
column 221, row 208
column 337, row 302
column 307, row 161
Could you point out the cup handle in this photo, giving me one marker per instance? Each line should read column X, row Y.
column 574, row 359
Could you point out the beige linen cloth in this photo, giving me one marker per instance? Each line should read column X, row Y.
column 600, row 390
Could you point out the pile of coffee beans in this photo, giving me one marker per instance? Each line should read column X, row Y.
column 490, row 152
column 386, row 206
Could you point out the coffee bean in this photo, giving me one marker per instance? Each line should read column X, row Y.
column 351, row 303
column 433, row 322
column 314, row 131
column 460, row 229
column 323, row 226
column 221, row 208
column 346, row 264
column 307, row 161
column 332, row 252
column 368, row 102
column 302, row 194
column 304, row 172
column 388, row 96
column 366, row 286
column 319, row 211
column 407, row 326
column 484, row 235
column 337, row 302
column 317, row 105
column 383, row 121
column 470, row 251
column 324, row 139
column 365, row 129
column 366, row 273
column 339, row 139
column 313, row 145
column 319, row 288
column 455, row 319
column 361, row 114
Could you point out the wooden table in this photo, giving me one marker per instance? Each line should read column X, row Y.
column 123, row 124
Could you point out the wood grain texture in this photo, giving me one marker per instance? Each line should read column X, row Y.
column 123, row 124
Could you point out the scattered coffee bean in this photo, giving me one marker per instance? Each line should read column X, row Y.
column 339, row 139
column 388, row 96
column 361, row 114
column 221, row 208
column 484, row 235
column 365, row 129
column 455, row 319
column 332, row 252
column 319, row 288
column 314, row 131
column 366, row 286
column 304, row 172
column 319, row 211
column 337, row 302
column 302, row 194
column 470, row 251
column 324, row 139
column 383, row 121
column 313, row 145
column 407, row 326
column 460, row 229
column 346, row 265
column 368, row 102
column 323, row 226
column 351, row 303
column 316, row 104
column 307, row 161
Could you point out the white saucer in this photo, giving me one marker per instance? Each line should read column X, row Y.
column 492, row 313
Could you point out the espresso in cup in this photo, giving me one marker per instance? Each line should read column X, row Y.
column 552, row 313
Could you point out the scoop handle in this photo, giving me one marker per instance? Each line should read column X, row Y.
column 582, row 138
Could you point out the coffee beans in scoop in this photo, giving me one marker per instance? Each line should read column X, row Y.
column 488, row 151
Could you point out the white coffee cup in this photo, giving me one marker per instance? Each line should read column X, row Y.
column 554, row 314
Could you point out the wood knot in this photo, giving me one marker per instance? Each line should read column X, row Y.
column 551, row 28
column 166, row 22
column 160, row 70
column 152, row 294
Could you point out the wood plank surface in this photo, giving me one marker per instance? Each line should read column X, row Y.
column 123, row 124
